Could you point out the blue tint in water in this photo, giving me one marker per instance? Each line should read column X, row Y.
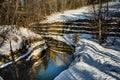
column 53, row 69
column 57, row 58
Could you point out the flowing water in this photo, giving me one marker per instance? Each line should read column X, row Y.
column 52, row 65
column 53, row 60
column 57, row 58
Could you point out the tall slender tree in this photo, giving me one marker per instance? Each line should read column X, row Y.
column 100, row 20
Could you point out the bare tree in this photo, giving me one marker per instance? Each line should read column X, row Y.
column 100, row 20
column 14, row 71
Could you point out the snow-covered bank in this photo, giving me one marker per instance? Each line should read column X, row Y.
column 28, row 52
column 87, row 13
column 93, row 62
column 16, row 36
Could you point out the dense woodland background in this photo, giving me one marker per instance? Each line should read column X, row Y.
column 23, row 12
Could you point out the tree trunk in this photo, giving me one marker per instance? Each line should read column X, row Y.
column 15, row 70
column 100, row 20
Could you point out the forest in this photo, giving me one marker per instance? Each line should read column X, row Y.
column 59, row 39
column 23, row 12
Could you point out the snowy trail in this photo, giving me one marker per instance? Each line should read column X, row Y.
column 94, row 63
column 109, row 53
column 82, row 13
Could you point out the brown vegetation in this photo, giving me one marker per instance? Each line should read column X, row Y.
column 14, row 12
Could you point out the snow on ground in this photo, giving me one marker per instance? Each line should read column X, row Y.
column 69, row 15
column 1, row 78
column 16, row 37
column 113, row 43
column 86, row 13
column 37, row 51
column 93, row 62
column 81, row 13
column 28, row 52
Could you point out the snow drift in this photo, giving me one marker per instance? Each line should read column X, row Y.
column 93, row 62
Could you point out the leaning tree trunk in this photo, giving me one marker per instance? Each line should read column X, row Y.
column 15, row 70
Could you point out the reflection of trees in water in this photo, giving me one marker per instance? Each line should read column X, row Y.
column 57, row 50
column 53, row 55
column 64, row 57
column 45, row 62
column 50, row 54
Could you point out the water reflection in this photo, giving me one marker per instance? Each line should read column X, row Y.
column 57, row 58
column 45, row 66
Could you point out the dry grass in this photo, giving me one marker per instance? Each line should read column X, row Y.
column 12, row 12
